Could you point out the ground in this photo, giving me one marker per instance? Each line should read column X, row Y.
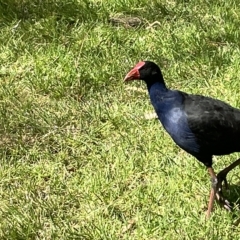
column 79, row 159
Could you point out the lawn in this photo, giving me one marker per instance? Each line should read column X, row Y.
column 79, row 159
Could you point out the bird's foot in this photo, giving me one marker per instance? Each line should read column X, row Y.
column 221, row 177
column 223, row 201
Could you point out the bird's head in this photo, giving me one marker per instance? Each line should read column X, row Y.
column 145, row 70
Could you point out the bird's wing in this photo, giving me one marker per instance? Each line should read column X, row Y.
column 214, row 123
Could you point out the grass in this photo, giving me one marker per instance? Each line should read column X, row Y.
column 78, row 159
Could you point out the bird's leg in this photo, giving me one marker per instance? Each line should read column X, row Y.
column 216, row 192
column 219, row 196
column 221, row 177
column 213, row 192
column 223, row 174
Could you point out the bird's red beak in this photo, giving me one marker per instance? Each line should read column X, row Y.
column 133, row 74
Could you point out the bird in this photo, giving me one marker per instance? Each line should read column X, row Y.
column 202, row 126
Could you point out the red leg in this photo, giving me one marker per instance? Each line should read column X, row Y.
column 213, row 191
column 216, row 191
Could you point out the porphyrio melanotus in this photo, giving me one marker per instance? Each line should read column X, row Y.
column 202, row 126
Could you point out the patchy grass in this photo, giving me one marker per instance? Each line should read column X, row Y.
column 78, row 159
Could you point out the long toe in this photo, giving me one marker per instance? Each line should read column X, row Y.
column 223, row 201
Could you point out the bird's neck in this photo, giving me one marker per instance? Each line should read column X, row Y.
column 162, row 98
column 158, row 86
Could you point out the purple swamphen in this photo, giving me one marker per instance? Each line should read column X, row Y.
column 202, row 126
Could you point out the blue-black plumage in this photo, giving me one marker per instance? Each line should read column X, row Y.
column 202, row 126
column 168, row 105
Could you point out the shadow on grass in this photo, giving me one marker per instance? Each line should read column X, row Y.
column 72, row 10
column 83, row 11
column 233, row 194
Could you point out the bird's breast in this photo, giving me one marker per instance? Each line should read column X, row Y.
column 175, row 123
column 169, row 108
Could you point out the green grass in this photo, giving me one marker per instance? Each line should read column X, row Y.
column 78, row 159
